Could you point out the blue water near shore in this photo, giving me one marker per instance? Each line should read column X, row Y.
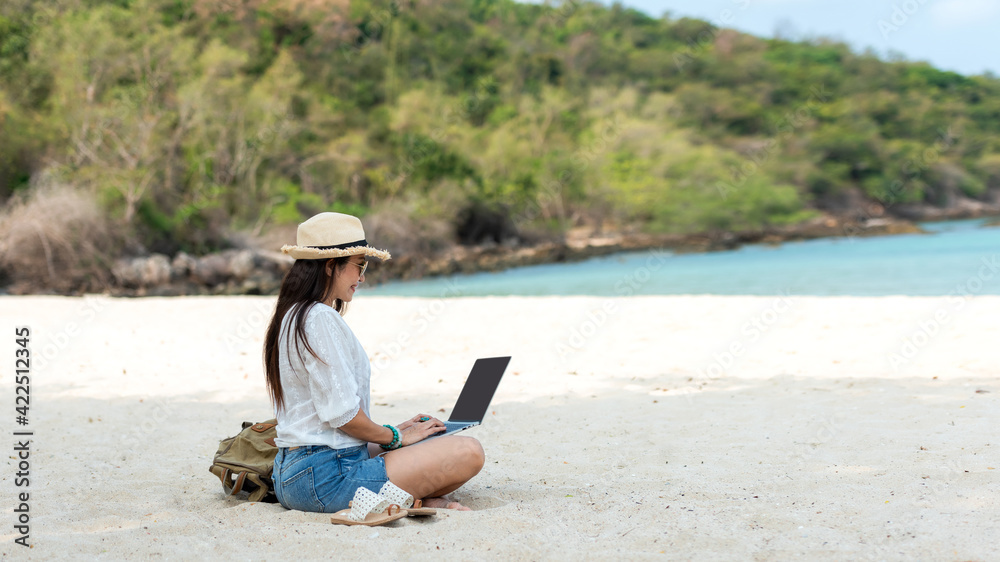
column 954, row 257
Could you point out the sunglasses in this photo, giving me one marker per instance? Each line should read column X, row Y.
column 363, row 265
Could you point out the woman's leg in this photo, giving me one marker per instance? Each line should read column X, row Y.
column 437, row 467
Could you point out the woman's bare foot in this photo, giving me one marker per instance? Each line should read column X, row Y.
column 444, row 503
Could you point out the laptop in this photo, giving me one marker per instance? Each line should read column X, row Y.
column 476, row 395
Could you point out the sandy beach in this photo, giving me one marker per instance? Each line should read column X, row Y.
column 676, row 428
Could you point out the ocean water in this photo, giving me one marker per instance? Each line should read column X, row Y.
column 954, row 257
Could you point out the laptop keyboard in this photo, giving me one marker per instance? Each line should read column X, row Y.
column 452, row 426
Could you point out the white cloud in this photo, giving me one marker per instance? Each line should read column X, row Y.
column 954, row 13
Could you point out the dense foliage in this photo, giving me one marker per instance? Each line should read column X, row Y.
column 188, row 119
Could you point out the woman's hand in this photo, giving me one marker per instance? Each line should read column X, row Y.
column 415, row 419
column 414, row 430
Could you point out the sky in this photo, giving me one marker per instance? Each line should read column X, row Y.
column 957, row 35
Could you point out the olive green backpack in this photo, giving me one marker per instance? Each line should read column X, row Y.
column 244, row 462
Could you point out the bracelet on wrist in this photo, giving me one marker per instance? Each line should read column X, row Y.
column 397, row 440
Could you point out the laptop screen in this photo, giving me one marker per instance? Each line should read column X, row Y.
column 479, row 389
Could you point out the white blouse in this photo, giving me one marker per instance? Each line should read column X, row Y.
column 320, row 398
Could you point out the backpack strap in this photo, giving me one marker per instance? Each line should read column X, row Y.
column 262, row 487
column 238, row 485
column 221, row 474
column 226, row 476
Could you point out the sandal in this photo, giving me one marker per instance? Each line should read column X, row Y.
column 368, row 508
column 418, row 509
column 398, row 496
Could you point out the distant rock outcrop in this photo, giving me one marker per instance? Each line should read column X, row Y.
column 961, row 208
column 247, row 272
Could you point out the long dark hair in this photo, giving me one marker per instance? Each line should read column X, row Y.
column 305, row 284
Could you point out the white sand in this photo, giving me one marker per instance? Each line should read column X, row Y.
column 630, row 434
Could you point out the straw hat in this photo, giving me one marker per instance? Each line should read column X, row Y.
column 331, row 235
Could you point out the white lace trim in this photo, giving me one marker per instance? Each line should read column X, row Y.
column 396, row 495
column 366, row 501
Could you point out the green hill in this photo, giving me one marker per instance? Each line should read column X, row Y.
column 188, row 120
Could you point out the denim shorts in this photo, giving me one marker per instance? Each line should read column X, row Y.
column 318, row 478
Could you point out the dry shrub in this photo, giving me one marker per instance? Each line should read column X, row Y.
column 398, row 229
column 270, row 238
column 413, row 240
column 58, row 239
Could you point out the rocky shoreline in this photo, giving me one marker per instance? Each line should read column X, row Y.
column 259, row 272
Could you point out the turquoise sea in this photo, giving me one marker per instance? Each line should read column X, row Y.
column 955, row 257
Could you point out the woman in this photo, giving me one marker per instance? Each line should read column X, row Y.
column 318, row 378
